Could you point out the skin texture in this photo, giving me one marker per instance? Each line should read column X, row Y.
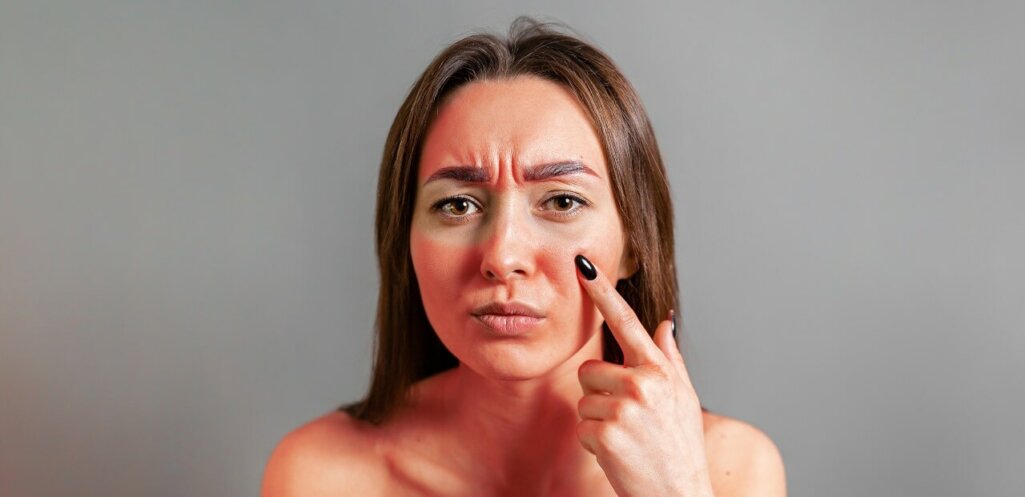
column 517, row 246
column 643, row 410
column 536, row 413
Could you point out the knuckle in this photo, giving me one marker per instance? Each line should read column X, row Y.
column 642, row 388
column 662, row 373
column 620, row 410
column 584, row 405
column 633, row 387
column 623, row 314
column 605, row 437
column 586, row 367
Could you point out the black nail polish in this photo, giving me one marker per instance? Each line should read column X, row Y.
column 585, row 267
column 672, row 317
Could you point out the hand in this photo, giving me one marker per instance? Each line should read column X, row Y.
column 641, row 419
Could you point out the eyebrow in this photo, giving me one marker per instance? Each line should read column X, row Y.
column 540, row 172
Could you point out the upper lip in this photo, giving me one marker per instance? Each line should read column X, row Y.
column 508, row 309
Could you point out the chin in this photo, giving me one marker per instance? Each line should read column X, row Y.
column 513, row 362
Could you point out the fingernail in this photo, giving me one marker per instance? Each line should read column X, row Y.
column 585, row 267
column 672, row 317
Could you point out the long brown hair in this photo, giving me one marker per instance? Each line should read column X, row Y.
column 407, row 348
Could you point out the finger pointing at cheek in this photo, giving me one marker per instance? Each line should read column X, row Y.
column 638, row 347
column 643, row 410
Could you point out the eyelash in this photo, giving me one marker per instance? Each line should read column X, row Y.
column 439, row 206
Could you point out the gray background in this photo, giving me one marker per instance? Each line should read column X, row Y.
column 186, row 253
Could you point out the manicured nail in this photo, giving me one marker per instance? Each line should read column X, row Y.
column 585, row 267
column 672, row 317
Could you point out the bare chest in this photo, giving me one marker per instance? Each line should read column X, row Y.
column 429, row 471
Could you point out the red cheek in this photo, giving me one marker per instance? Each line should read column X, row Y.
column 449, row 274
column 431, row 260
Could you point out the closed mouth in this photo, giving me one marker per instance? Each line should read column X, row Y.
column 509, row 324
column 509, row 309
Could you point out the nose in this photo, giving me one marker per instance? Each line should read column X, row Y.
column 507, row 252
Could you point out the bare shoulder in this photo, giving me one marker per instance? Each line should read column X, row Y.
column 322, row 457
column 742, row 459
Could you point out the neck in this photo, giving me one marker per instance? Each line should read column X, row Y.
column 520, row 435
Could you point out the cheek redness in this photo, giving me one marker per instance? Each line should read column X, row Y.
column 602, row 250
column 437, row 261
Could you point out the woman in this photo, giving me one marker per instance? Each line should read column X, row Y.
column 526, row 338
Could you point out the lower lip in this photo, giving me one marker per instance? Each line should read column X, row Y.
column 509, row 325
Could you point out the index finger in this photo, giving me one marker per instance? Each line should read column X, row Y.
column 638, row 346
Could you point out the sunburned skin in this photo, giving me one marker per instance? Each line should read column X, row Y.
column 509, row 239
column 493, row 224
column 512, row 237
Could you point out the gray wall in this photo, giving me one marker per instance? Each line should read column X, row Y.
column 186, row 255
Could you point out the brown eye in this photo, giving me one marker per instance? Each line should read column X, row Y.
column 459, row 206
column 455, row 208
column 565, row 204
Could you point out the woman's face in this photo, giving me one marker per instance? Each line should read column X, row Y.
column 512, row 184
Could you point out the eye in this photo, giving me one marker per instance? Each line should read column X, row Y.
column 456, row 207
column 565, row 204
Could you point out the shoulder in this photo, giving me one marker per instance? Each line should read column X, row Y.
column 321, row 457
column 742, row 459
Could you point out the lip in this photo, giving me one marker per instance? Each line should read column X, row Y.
column 508, row 318
column 511, row 308
column 508, row 325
